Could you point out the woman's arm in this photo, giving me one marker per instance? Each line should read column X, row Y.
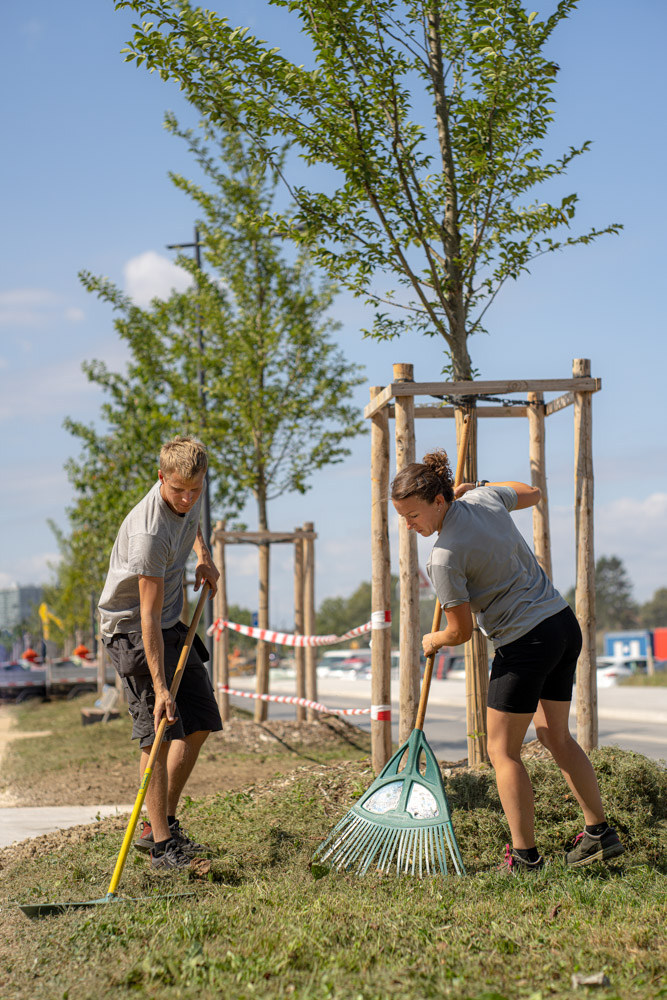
column 527, row 496
column 459, row 629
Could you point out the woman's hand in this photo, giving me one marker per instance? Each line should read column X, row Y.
column 431, row 643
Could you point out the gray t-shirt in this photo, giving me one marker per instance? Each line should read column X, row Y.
column 153, row 541
column 481, row 557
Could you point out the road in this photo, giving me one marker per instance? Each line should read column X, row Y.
column 631, row 718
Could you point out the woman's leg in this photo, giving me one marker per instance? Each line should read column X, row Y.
column 551, row 725
column 506, row 732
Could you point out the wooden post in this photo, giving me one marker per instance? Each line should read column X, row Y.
column 476, row 656
column 262, row 649
column 299, row 651
column 381, row 589
column 221, row 610
column 309, row 618
column 587, row 709
column 408, row 562
column 538, row 477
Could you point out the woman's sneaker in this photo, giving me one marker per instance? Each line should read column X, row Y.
column 513, row 864
column 172, row 857
column 588, row 848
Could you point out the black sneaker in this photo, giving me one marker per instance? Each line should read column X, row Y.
column 171, row 858
column 146, row 841
column 514, row 864
column 186, row 844
column 588, row 848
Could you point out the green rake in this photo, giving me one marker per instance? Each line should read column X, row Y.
column 403, row 822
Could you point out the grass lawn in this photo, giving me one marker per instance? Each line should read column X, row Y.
column 258, row 925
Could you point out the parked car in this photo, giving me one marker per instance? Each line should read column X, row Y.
column 610, row 670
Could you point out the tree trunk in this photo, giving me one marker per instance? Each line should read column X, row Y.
column 262, row 662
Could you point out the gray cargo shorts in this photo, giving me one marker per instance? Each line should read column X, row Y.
column 196, row 707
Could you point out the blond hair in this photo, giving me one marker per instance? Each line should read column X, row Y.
column 184, row 457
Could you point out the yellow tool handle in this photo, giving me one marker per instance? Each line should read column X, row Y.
column 157, row 743
column 437, row 611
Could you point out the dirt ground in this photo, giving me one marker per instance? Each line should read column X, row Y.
column 246, row 753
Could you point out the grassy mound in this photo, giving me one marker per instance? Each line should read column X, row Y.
column 259, row 926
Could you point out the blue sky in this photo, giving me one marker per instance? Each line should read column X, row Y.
column 84, row 181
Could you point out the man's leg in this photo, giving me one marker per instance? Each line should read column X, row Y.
column 180, row 762
column 551, row 725
column 156, row 795
column 506, row 731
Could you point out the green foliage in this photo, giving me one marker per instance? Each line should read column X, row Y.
column 276, row 389
column 615, row 608
column 422, row 124
column 336, row 615
column 653, row 614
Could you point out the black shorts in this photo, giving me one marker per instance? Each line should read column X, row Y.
column 539, row 664
column 196, row 707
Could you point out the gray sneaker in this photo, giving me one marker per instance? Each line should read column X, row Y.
column 514, row 864
column 186, row 844
column 171, row 858
column 588, row 848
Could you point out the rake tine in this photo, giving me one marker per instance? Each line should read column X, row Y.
column 385, row 856
column 454, row 850
column 370, row 847
column 442, row 854
column 399, row 852
column 364, row 834
column 347, row 848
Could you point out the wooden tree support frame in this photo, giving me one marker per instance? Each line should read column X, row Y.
column 397, row 400
column 303, row 540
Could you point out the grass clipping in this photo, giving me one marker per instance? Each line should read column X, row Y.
column 260, row 926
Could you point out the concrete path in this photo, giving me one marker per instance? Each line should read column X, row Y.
column 17, row 823
column 22, row 822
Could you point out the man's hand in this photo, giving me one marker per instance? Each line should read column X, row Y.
column 206, row 572
column 164, row 706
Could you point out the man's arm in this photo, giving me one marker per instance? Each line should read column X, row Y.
column 151, row 599
column 206, row 569
column 526, row 496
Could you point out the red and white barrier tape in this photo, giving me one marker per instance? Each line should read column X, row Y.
column 379, row 620
column 287, row 700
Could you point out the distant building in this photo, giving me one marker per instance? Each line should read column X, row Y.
column 17, row 603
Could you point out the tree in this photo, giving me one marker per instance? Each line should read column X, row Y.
column 615, row 608
column 432, row 114
column 653, row 614
column 337, row 615
column 277, row 389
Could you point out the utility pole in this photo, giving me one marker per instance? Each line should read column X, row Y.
column 206, row 506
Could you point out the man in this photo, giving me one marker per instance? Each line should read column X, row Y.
column 140, row 610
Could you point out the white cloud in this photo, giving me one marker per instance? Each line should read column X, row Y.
column 34, row 307
column 151, row 276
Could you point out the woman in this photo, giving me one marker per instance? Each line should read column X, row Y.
column 481, row 563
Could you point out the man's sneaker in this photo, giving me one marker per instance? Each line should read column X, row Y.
column 146, row 841
column 588, row 848
column 186, row 844
column 171, row 858
column 514, row 864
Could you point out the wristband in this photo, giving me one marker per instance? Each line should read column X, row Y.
column 481, row 482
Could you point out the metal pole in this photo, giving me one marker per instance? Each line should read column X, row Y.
column 206, row 502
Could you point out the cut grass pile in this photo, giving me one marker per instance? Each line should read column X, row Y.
column 259, row 925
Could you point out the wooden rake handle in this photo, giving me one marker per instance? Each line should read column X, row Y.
column 437, row 611
column 157, row 743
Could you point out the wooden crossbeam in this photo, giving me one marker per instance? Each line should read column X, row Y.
column 559, row 403
column 450, row 411
column 396, row 389
column 261, row 537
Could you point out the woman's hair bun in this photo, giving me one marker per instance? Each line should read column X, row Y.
column 438, row 461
